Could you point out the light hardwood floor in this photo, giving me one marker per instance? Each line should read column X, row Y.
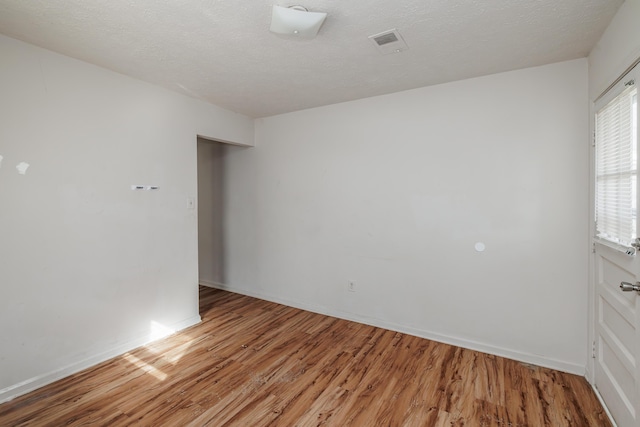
column 256, row 363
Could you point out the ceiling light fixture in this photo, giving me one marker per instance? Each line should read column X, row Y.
column 296, row 21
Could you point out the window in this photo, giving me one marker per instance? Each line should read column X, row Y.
column 617, row 167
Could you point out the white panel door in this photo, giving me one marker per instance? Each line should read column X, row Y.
column 618, row 335
column 617, row 311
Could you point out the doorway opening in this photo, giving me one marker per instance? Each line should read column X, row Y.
column 213, row 167
column 210, row 212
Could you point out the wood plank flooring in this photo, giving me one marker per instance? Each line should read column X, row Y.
column 256, row 363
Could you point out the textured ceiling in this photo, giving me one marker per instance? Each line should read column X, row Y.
column 222, row 51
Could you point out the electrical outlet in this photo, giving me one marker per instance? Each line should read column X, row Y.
column 351, row 286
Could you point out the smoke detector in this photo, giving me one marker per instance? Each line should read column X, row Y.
column 389, row 41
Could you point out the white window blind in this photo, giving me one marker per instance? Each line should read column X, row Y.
column 616, row 168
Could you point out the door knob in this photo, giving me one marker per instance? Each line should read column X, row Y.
column 628, row 287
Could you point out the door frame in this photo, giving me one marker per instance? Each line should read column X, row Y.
column 228, row 148
column 590, row 369
column 590, row 373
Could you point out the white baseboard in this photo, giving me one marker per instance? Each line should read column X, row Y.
column 604, row 405
column 434, row 336
column 13, row 391
column 211, row 284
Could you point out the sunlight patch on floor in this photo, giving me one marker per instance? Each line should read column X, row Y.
column 141, row 364
column 158, row 331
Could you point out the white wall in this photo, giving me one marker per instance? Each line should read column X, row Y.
column 210, row 210
column 86, row 264
column 393, row 192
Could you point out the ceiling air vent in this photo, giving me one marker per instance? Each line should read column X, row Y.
column 389, row 42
